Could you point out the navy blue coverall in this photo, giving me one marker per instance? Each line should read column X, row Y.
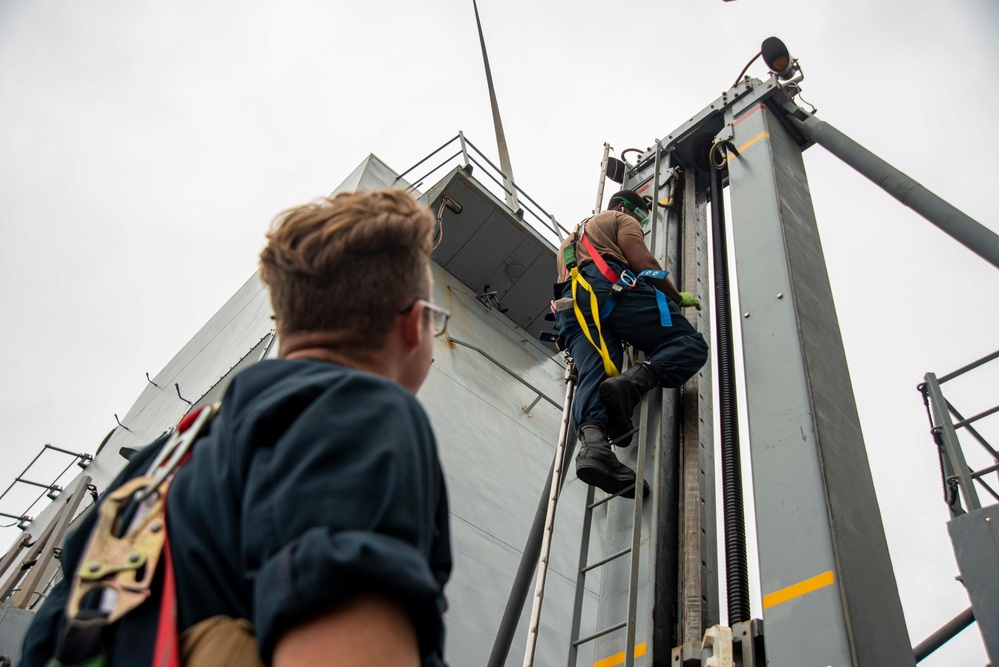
column 676, row 351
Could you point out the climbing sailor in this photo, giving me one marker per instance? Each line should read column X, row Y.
column 611, row 291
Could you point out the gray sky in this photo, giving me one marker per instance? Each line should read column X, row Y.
column 144, row 148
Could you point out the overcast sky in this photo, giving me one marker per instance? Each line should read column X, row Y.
column 145, row 147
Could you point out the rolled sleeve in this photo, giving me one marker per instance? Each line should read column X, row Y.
column 323, row 568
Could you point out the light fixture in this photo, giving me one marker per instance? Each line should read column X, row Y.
column 616, row 169
column 777, row 58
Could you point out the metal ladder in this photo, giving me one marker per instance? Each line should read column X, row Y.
column 539, row 591
column 543, row 562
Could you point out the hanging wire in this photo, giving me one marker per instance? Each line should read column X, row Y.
column 745, row 69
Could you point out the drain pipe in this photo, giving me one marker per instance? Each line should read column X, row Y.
column 736, row 569
column 528, row 563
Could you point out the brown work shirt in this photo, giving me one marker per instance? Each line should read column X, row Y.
column 603, row 230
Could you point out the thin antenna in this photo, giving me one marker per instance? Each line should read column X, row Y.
column 504, row 154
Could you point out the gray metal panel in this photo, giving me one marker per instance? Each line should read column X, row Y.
column 371, row 174
column 487, row 245
column 14, row 624
column 976, row 544
column 495, row 457
column 816, row 509
column 239, row 325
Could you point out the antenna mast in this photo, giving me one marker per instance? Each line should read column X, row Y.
column 504, row 154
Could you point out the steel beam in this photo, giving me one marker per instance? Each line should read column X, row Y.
column 829, row 592
column 961, row 227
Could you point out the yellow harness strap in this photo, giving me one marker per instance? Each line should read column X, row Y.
column 577, row 279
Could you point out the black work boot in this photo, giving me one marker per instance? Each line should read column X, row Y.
column 621, row 393
column 597, row 466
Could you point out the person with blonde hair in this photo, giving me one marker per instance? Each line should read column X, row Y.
column 310, row 524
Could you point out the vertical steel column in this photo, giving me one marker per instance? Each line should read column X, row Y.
column 698, row 538
column 829, row 592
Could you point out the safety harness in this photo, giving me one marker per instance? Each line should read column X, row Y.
column 123, row 560
column 620, row 283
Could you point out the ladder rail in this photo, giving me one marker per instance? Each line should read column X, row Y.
column 636, row 534
column 546, row 540
column 629, row 624
column 577, row 605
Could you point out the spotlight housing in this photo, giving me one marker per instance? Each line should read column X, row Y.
column 777, row 58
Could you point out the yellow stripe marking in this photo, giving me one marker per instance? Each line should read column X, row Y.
column 618, row 659
column 797, row 590
column 761, row 135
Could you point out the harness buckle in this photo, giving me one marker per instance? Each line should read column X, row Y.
column 627, row 279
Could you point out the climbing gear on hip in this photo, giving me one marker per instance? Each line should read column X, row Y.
column 620, row 283
column 122, row 560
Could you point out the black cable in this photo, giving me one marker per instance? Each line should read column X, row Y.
column 736, row 568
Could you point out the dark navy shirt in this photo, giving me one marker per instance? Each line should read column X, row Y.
column 314, row 483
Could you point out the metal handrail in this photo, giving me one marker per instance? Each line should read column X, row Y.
column 512, row 374
column 81, row 459
column 957, row 474
column 471, row 155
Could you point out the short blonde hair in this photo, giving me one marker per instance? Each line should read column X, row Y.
column 348, row 264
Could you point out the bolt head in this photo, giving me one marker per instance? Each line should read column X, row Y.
column 134, row 557
column 94, row 567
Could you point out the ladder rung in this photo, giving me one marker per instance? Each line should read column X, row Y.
column 604, row 561
column 625, row 437
column 610, row 497
column 605, row 631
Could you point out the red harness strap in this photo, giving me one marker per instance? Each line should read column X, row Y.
column 167, row 651
column 601, row 265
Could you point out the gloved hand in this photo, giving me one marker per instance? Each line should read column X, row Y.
column 687, row 299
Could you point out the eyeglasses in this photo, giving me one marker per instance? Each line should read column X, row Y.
column 440, row 315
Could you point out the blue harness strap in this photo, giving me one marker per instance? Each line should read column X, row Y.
column 626, row 281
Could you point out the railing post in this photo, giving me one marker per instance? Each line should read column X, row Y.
column 464, row 149
column 952, row 445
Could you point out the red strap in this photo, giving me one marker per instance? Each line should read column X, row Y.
column 607, row 271
column 167, row 651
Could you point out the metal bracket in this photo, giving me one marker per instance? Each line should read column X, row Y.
column 489, row 298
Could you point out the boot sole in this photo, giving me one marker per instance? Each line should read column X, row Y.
column 603, row 478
